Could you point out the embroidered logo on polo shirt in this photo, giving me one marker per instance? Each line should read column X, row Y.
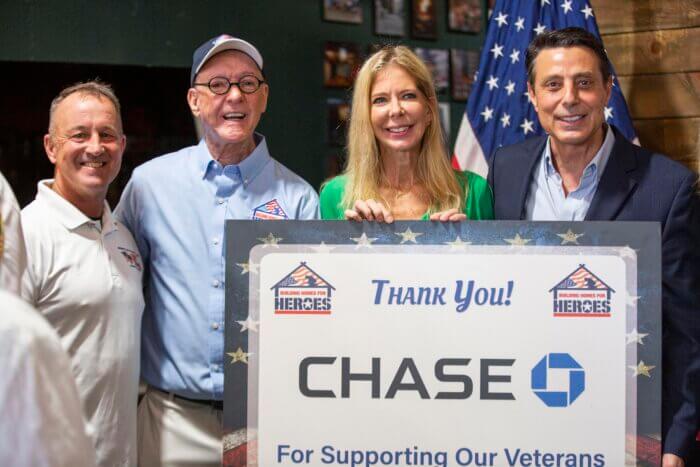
column 269, row 211
column 133, row 258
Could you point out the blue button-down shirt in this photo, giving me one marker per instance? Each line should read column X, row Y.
column 176, row 206
column 546, row 200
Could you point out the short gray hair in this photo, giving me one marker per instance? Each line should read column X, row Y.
column 94, row 88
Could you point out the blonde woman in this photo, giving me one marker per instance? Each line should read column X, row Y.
column 398, row 168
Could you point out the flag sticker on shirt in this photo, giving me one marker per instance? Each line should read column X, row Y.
column 132, row 258
column 269, row 211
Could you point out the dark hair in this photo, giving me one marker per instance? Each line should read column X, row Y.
column 568, row 37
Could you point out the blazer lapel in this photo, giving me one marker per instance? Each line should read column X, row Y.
column 616, row 183
column 520, row 177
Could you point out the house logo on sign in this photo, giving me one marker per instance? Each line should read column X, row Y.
column 582, row 294
column 303, row 292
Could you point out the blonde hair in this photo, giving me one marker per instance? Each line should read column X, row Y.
column 364, row 170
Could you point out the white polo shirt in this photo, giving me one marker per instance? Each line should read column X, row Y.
column 86, row 280
column 42, row 421
column 13, row 258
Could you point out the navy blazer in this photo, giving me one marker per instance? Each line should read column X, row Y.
column 638, row 185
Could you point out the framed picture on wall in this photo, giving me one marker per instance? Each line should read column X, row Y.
column 423, row 19
column 390, row 17
column 464, row 15
column 439, row 65
column 338, row 112
column 444, row 110
column 464, row 64
column 341, row 61
column 342, row 11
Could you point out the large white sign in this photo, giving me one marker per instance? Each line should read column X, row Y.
column 441, row 355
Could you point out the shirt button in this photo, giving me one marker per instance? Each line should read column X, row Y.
column 215, row 241
column 215, row 326
column 220, row 200
column 215, row 283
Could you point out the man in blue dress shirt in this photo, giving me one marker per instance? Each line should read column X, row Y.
column 176, row 206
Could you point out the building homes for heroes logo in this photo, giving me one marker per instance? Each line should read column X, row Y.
column 582, row 294
column 303, row 292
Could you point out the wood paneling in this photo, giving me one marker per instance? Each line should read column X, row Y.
column 614, row 16
column 670, row 51
column 662, row 96
column 678, row 138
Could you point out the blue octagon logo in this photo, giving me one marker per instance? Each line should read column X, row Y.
column 550, row 364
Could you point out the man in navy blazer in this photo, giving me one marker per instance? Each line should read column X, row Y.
column 586, row 170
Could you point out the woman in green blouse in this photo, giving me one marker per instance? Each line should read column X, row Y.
column 398, row 167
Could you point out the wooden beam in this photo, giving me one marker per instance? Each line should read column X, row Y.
column 669, row 51
column 678, row 138
column 662, row 96
column 615, row 16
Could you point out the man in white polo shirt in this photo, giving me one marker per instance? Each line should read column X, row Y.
column 84, row 271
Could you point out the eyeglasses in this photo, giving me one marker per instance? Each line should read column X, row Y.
column 220, row 85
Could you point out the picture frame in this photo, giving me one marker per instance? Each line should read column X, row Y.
column 463, row 66
column 423, row 19
column 438, row 62
column 390, row 17
column 338, row 116
column 464, row 16
column 341, row 62
column 342, row 11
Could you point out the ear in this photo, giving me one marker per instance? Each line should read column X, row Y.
column 531, row 93
column 50, row 148
column 193, row 101
column 265, row 89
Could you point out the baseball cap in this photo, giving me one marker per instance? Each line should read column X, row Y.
column 218, row 44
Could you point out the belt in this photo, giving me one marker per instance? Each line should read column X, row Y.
column 215, row 404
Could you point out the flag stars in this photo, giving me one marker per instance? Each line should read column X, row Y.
column 487, row 113
column 608, row 113
column 497, row 51
column 492, row 82
column 510, row 87
column 505, row 120
column 520, row 23
column 527, row 126
column 527, row 96
column 566, row 6
column 501, row 19
column 515, row 56
column 587, row 12
column 539, row 29
column 544, row 2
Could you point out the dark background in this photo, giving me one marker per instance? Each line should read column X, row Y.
column 144, row 49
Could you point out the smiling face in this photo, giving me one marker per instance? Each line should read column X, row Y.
column 569, row 95
column 399, row 112
column 231, row 118
column 85, row 144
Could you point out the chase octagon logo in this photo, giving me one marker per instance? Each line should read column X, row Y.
column 582, row 294
column 303, row 292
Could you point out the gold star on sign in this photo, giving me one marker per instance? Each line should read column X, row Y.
column 363, row 240
column 248, row 324
column 636, row 337
column 408, row 235
column 247, row 267
column 518, row 240
column 238, row 356
column 569, row 237
column 641, row 369
column 322, row 248
column 271, row 240
column 458, row 244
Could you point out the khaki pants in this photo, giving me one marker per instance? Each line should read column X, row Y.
column 175, row 432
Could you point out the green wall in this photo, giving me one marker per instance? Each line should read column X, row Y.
column 289, row 33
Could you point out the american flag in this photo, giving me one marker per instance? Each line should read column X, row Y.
column 498, row 110
column 269, row 210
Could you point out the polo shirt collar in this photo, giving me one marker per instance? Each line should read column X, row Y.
column 66, row 213
column 249, row 168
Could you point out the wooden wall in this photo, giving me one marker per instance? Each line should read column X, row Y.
column 654, row 46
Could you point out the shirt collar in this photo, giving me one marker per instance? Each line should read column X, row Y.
column 249, row 167
column 596, row 165
column 67, row 214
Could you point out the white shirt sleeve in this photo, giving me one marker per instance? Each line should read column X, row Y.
column 13, row 256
